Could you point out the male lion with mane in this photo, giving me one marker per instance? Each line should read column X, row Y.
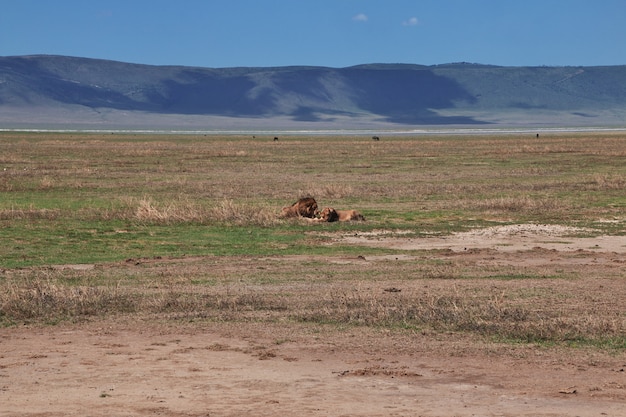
column 329, row 214
column 304, row 207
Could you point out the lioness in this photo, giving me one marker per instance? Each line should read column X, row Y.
column 304, row 207
column 329, row 214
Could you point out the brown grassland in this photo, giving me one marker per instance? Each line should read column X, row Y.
column 487, row 279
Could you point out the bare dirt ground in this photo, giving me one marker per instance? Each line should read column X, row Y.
column 131, row 367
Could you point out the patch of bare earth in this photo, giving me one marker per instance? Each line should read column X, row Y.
column 132, row 367
column 137, row 369
column 510, row 238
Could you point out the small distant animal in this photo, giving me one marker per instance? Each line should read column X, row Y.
column 275, row 138
column 375, row 138
column 329, row 214
column 304, row 207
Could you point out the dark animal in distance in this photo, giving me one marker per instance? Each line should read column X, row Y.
column 375, row 138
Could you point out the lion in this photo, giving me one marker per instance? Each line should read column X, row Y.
column 304, row 207
column 329, row 214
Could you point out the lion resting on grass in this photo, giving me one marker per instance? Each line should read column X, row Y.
column 304, row 207
column 329, row 214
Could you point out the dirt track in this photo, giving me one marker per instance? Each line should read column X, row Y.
column 134, row 368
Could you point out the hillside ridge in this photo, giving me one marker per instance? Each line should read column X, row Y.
column 52, row 89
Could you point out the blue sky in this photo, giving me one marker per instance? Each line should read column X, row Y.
column 335, row 33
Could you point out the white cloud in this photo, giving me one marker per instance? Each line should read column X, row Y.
column 361, row 17
column 411, row 22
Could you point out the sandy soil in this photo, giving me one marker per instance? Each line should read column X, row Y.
column 510, row 238
column 136, row 368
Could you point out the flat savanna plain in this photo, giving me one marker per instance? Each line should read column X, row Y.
column 151, row 275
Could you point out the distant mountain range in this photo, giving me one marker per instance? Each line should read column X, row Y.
column 67, row 92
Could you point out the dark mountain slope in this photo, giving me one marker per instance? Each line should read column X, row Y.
column 406, row 95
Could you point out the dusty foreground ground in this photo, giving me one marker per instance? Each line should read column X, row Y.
column 114, row 369
column 137, row 368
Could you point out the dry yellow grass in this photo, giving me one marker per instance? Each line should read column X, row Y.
column 545, row 303
column 102, row 187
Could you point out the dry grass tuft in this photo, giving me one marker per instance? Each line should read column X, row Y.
column 184, row 210
column 171, row 212
column 40, row 299
column 522, row 205
column 46, row 183
column 331, row 191
column 177, row 211
column 491, row 315
column 609, row 182
column 229, row 212
column 29, row 214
